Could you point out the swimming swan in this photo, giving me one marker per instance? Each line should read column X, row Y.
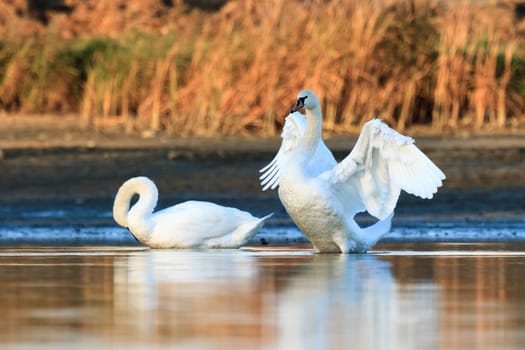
column 190, row 224
column 322, row 196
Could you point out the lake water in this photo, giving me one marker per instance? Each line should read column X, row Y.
column 399, row 296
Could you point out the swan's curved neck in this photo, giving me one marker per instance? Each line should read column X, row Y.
column 312, row 134
column 138, row 218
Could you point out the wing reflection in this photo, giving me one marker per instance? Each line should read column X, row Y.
column 90, row 296
column 284, row 301
column 352, row 301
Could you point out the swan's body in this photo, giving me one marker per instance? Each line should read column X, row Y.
column 190, row 224
column 323, row 196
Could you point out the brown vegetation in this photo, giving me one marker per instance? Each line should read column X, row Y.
column 163, row 65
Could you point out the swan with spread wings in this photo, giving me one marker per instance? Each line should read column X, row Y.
column 322, row 196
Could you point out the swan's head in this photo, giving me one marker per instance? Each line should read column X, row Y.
column 305, row 99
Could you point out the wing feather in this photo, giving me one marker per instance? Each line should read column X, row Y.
column 270, row 165
column 293, row 130
column 273, row 185
column 382, row 163
column 269, row 175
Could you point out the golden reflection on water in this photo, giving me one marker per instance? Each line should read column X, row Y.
column 252, row 298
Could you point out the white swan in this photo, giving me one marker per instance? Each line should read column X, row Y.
column 323, row 196
column 190, row 224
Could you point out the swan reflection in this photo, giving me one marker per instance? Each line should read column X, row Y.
column 341, row 301
column 288, row 301
column 187, row 294
column 260, row 299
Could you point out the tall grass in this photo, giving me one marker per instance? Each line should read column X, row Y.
column 236, row 71
column 474, row 69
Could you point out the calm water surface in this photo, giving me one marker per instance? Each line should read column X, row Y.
column 400, row 296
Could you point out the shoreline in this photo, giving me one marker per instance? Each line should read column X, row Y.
column 22, row 134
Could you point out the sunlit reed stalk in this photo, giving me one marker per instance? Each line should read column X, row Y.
column 448, row 65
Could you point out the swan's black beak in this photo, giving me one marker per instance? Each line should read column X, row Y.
column 299, row 104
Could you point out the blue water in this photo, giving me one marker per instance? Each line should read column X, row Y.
column 115, row 235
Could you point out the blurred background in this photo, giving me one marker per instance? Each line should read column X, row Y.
column 219, row 67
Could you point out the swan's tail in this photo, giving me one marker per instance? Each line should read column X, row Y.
column 256, row 227
column 374, row 232
column 240, row 236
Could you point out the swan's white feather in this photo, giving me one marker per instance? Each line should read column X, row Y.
column 185, row 225
column 198, row 220
column 293, row 130
column 322, row 196
column 382, row 163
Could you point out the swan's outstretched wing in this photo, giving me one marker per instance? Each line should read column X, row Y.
column 293, row 130
column 381, row 164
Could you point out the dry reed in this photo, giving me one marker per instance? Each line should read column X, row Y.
column 452, row 66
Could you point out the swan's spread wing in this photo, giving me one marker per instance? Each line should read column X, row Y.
column 382, row 163
column 293, row 130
